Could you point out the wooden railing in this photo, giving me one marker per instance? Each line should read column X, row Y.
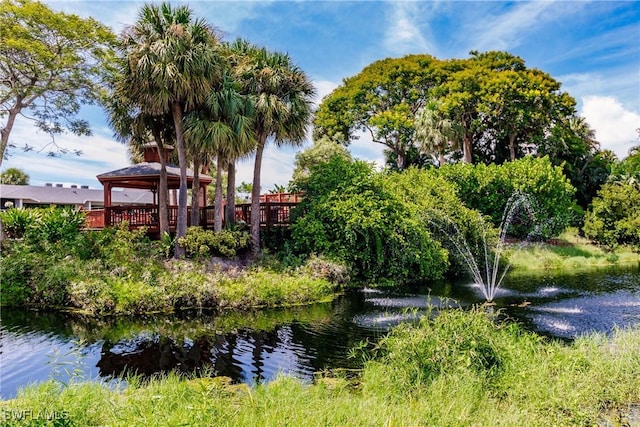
column 94, row 218
column 271, row 214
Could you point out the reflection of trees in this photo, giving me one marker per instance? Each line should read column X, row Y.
column 149, row 356
column 328, row 344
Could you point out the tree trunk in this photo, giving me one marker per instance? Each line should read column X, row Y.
column 163, row 186
column 6, row 131
column 217, row 200
column 195, row 192
column 512, row 148
column 466, row 149
column 181, row 226
column 231, row 194
column 255, row 198
column 400, row 160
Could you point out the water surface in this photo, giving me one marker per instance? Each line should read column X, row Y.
column 301, row 341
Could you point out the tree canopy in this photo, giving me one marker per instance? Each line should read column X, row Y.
column 381, row 100
column 490, row 106
column 50, row 64
column 14, row 176
column 170, row 67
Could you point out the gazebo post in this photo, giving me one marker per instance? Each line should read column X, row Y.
column 203, row 203
column 107, row 203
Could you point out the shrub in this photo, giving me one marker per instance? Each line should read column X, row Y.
column 487, row 189
column 56, row 224
column 613, row 218
column 453, row 343
column 319, row 267
column 16, row 221
column 350, row 216
column 201, row 243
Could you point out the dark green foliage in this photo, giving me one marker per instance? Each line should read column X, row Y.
column 488, row 188
column 201, row 243
column 614, row 217
column 351, row 215
column 275, row 239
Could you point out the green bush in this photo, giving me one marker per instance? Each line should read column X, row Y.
column 614, row 217
column 16, row 221
column 488, row 189
column 453, row 343
column 55, row 224
column 350, row 216
column 201, row 243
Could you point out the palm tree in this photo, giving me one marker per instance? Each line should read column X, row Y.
column 434, row 132
column 282, row 95
column 171, row 66
column 137, row 129
column 237, row 54
column 221, row 127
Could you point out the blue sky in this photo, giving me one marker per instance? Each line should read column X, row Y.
column 593, row 48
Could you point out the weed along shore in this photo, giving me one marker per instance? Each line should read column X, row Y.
column 487, row 372
column 122, row 272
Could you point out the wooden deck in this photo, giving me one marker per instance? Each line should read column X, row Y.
column 271, row 214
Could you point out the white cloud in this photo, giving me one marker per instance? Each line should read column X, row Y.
column 364, row 148
column 323, row 88
column 504, row 32
column 99, row 154
column 277, row 167
column 404, row 34
column 614, row 125
column 622, row 84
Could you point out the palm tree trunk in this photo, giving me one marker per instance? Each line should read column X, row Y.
column 255, row 197
column 163, row 186
column 195, row 192
column 400, row 160
column 231, row 194
column 181, row 226
column 217, row 201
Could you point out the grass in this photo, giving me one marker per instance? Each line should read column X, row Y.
column 459, row 368
column 570, row 252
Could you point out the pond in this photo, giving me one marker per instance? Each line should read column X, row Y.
column 256, row 346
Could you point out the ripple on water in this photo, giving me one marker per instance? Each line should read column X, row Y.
column 385, row 320
column 559, row 310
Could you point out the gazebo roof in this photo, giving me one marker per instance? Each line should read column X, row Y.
column 147, row 175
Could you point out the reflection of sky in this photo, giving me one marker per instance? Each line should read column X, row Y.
column 561, row 307
column 577, row 316
column 36, row 356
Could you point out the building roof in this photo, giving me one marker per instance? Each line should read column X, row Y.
column 31, row 194
column 148, row 170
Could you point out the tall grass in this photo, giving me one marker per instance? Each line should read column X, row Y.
column 568, row 252
column 459, row 368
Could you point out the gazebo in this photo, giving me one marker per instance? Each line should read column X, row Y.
column 146, row 176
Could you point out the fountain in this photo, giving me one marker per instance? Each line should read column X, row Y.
column 484, row 263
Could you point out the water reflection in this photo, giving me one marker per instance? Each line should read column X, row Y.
column 256, row 346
